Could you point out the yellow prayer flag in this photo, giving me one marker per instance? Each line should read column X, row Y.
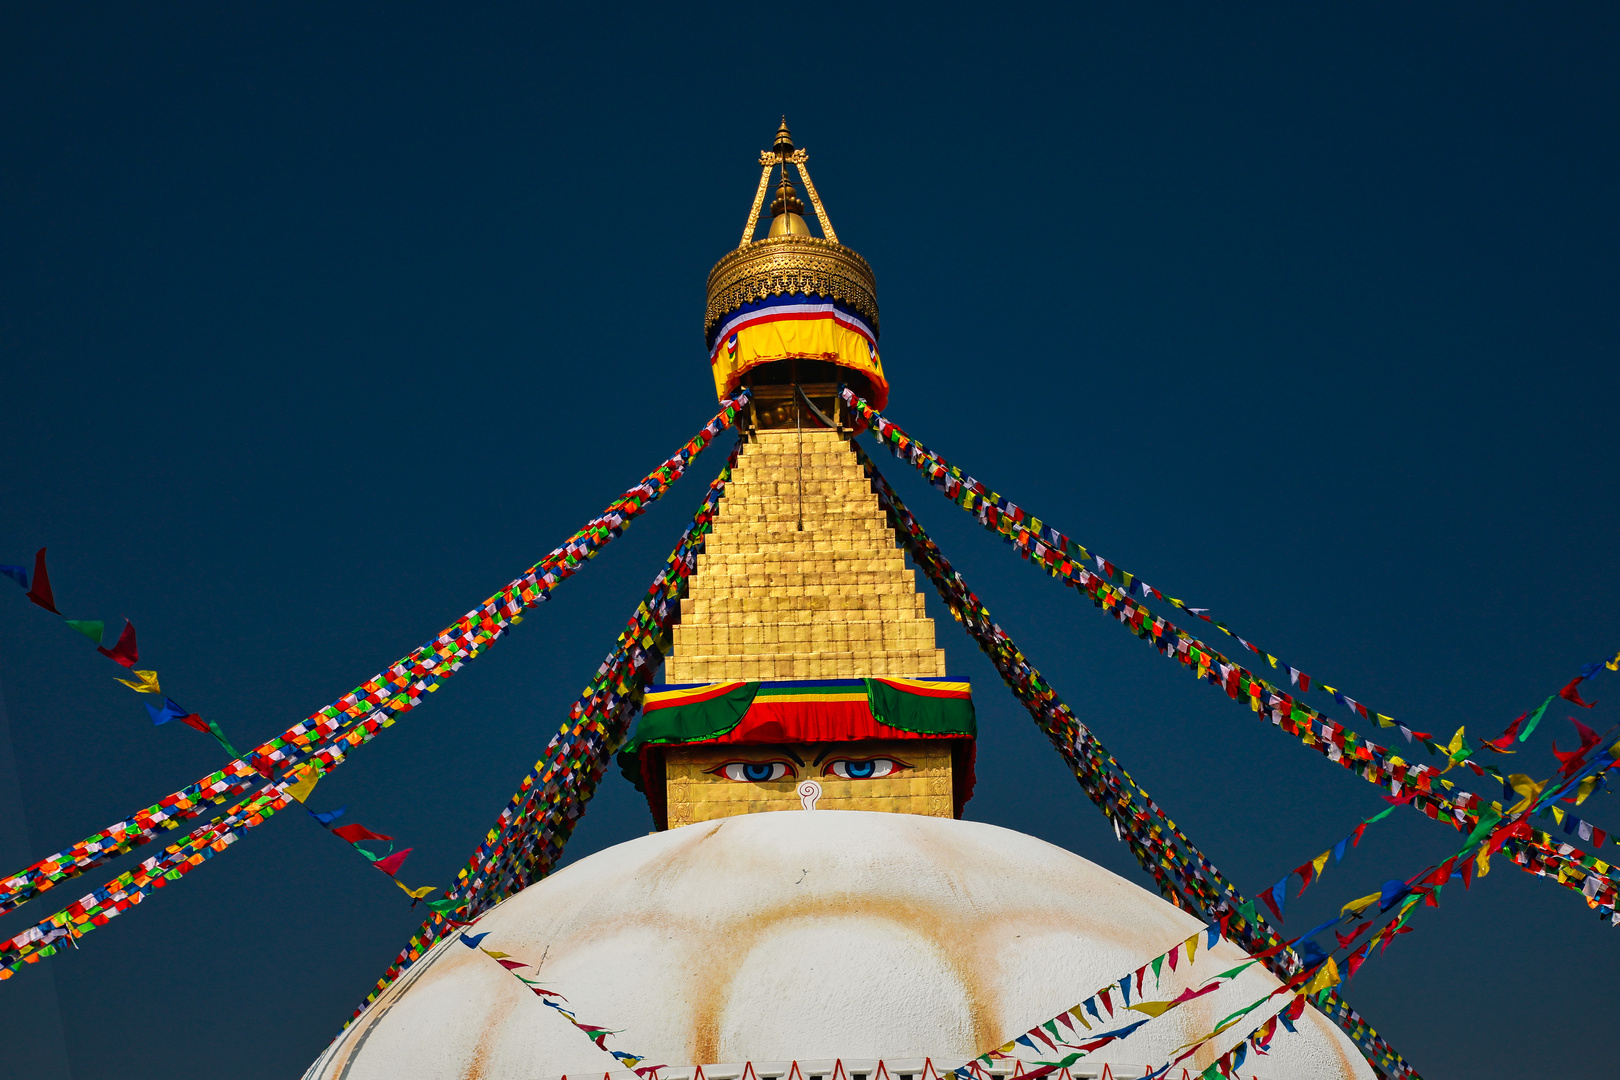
column 1273, row 659
column 495, row 955
column 304, row 786
column 1385, row 721
column 1528, row 788
column 1456, row 743
column 1326, row 976
column 1152, row 1008
column 1558, row 815
column 1320, row 861
column 1361, row 904
column 1191, row 945
column 1079, row 1013
column 417, row 893
column 147, row 685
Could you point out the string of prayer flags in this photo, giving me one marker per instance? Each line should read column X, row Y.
column 1182, row 873
column 129, row 889
column 1311, row 871
column 1060, row 556
column 329, row 735
column 123, row 652
column 593, row 1032
column 1374, row 763
column 1051, row 1033
column 126, row 653
column 527, row 839
column 1321, row 974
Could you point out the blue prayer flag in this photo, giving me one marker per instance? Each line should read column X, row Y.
column 330, row 816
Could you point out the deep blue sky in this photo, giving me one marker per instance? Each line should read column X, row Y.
column 318, row 324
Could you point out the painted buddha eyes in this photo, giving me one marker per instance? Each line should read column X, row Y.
column 755, row 772
column 762, row 772
column 863, row 768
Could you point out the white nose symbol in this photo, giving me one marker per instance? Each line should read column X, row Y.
column 809, row 792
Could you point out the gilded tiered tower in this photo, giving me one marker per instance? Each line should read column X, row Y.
column 801, row 593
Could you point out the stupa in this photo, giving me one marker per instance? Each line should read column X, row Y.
column 812, row 905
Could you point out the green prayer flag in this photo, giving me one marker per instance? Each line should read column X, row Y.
column 1535, row 718
column 219, row 735
column 90, row 628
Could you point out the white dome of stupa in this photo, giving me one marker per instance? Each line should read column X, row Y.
column 819, row 937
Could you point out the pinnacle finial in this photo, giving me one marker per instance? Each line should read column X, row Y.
column 784, row 139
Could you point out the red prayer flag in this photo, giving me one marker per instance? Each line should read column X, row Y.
column 41, row 592
column 511, row 964
column 356, row 833
column 124, row 652
column 1501, row 743
column 1568, row 693
column 392, row 863
column 1304, row 873
column 192, row 720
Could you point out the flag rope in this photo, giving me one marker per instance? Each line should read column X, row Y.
column 1417, row 783
column 320, row 743
column 527, row 839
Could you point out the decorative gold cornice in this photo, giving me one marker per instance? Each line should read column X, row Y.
column 784, row 265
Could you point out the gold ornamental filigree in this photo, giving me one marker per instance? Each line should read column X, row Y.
column 785, row 265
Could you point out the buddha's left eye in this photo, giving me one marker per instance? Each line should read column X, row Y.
column 863, row 768
column 755, row 772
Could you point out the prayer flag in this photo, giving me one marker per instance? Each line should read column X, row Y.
column 1326, row 977
column 330, row 815
column 169, row 711
column 90, row 628
column 305, row 785
column 419, row 893
column 41, row 592
column 355, row 833
column 392, row 863
column 16, row 573
column 124, row 652
column 1535, row 718
column 148, row 683
column 1569, row 693
column 472, row 940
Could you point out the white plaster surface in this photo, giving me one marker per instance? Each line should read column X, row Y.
column 820, row 935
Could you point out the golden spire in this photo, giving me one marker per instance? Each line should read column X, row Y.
column 787, row 211
column 790, row 262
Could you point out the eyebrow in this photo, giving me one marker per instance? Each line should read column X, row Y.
column 824, row 753
column 797, row 760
